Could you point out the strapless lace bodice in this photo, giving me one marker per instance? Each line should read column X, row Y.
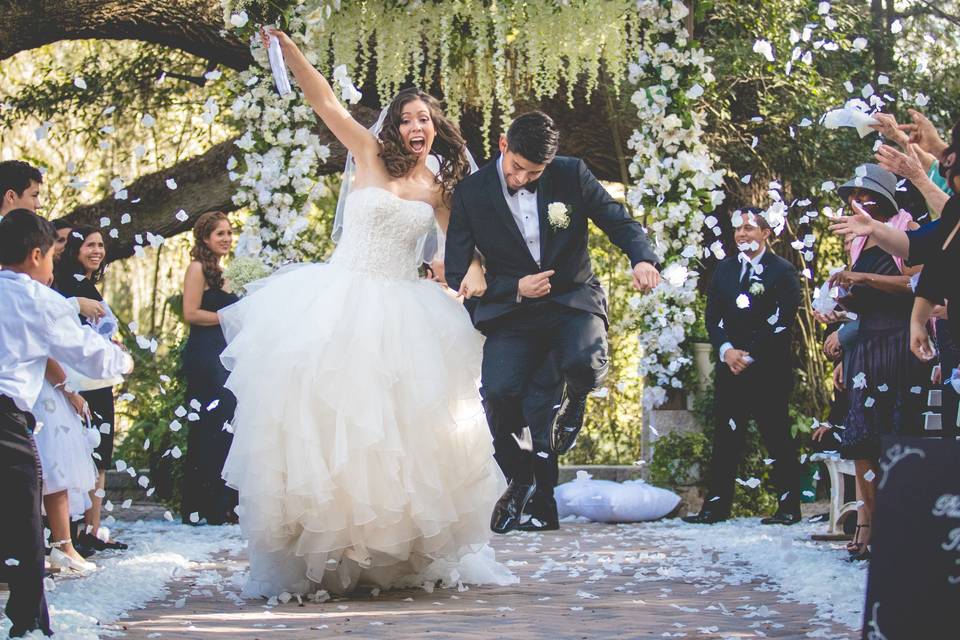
column 381, row 233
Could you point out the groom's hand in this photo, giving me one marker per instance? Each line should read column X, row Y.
column 645, row 277
column 536, row 285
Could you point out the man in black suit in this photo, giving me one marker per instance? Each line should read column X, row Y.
column 751, row 308
column 526, row 213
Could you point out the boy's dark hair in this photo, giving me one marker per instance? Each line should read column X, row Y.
column 22, row 231
column 62, row 223
column 534, row 136
column 17, row 175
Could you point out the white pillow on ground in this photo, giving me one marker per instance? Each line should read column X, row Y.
column 608, row 501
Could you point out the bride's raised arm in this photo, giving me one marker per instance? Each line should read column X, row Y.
column 320, row 95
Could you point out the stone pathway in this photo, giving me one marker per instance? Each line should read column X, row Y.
column 584, row 581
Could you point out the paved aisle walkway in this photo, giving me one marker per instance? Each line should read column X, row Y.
column 585, row 581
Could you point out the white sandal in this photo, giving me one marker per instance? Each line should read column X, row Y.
column 63, row 562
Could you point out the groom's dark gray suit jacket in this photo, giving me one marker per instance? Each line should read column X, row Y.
column 480, row 219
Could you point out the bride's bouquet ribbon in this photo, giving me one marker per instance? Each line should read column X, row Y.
column 280, row 77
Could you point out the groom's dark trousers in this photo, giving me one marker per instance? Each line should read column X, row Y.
column 516, row 346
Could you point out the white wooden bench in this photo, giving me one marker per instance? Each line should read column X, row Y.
column 841, row 505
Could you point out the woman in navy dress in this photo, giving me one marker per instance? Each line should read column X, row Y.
column 881, row 374
column 206, row 498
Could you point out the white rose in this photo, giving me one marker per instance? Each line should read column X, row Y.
column 557, row 215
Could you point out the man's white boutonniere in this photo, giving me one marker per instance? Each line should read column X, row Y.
column 757, row 289
column 557, row 215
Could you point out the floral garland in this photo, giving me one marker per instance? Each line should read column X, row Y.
column 676, row 186
column 675, row 183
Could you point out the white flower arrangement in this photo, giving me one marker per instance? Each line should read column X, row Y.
column 243, row 270
column 675, row 186
column 557, row 215
column 757, row 289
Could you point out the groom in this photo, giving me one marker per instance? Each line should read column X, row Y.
column 526, row 212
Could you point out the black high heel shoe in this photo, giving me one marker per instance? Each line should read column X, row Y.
column 858, row 550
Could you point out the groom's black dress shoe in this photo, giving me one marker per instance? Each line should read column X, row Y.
column 567, row 424
column 783, row 517
column 705, row 517
column 507, row 512
column 542, row 512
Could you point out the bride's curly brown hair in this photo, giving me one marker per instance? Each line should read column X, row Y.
column 448, row 145
column 209, row 261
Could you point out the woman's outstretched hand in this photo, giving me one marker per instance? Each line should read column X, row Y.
column 858, row 224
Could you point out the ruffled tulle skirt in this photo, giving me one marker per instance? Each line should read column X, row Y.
column 361, row 453
column 65, row 446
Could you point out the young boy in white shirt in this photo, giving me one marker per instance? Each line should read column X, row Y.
column 37, row 323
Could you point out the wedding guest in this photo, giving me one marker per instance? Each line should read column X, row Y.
column 751, row 308
column 65, row 459
column 80, row 269
column 42, row 325
column 931, row 245
column 19, row 186
column 205, row 495
column 63, row 232
column 881, row 374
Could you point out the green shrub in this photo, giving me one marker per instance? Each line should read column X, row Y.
column 158, row 387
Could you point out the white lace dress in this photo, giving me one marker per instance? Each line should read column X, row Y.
column 361, row 452
column 65, row 446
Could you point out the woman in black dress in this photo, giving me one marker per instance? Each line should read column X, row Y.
column 77, row 274
column 206, row 498
column 881, row 374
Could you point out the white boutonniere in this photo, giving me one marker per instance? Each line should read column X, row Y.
column 757, row 289
column 557, row 215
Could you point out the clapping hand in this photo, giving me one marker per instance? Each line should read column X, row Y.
column 645, row 277
column 923, row 133
column 888, row 127
column 906, row 164
column 858, row 224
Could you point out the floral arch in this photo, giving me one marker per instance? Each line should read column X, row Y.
column 483, row 52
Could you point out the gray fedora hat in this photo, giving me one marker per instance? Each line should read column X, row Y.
column 874, row 178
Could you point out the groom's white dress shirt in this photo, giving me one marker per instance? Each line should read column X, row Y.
column 523, row 206
column 38, row 323
column 753, row 264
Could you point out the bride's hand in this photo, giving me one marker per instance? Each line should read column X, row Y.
column 474, row 284
column 285, row 42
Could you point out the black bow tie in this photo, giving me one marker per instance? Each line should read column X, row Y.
column 530, row 186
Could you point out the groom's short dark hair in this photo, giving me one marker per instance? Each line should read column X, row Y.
column 534, row 136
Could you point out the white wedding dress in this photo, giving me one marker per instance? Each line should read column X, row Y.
column 361, row 453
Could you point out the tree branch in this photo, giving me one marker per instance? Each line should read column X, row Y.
column 202, row 185
column 194, row 26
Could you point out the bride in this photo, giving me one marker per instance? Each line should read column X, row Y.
column 361, row 453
